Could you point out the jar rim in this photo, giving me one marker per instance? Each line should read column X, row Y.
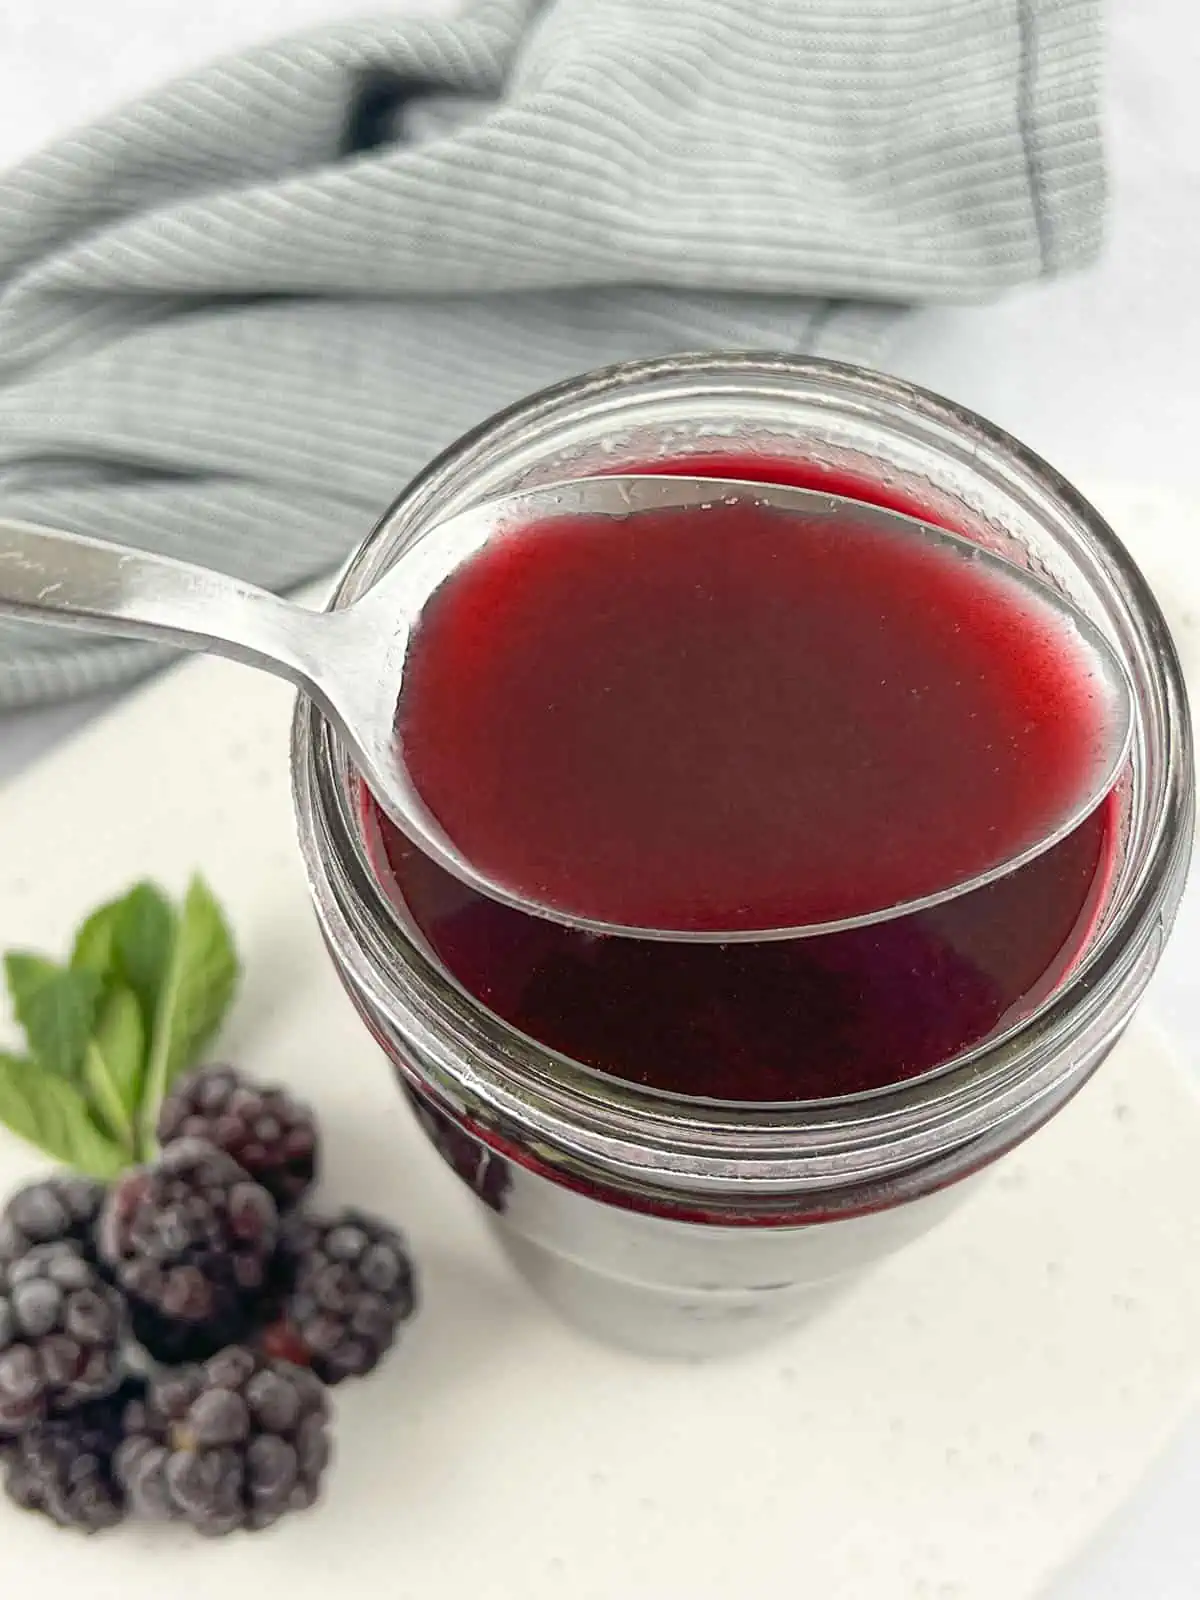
column 591, row 1117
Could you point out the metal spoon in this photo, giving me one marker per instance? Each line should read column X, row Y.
column 351, row 661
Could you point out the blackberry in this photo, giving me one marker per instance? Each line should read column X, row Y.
column 64, row 1206
column 61, row 1331
column 269, row 1134
column 235, row 1443
column 63, row 1467
column 350, row 1286
column 190, row 1241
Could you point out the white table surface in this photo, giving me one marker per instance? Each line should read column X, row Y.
column 1101, row 374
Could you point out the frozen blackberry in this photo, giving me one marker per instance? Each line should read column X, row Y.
column 235, row 1443
column 269, row 1134
column 350, row 1287
column 63, row 1467
column 190, row 1241
column 61, row 1329
column 64, row 1206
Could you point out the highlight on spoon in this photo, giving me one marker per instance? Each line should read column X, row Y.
column 714, row 710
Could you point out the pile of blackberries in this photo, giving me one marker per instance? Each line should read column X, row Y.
column 165, row 1341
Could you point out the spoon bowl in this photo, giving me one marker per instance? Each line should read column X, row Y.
column 352, row 662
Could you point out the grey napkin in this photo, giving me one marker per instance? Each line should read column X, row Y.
column 237, row 315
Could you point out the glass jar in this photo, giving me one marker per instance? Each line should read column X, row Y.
column 686, row 1227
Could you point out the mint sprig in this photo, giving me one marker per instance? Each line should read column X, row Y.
column 142, row 997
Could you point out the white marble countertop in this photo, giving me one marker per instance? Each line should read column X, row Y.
column 1100, row 374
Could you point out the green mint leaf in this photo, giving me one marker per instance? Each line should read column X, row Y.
column 195, row 996
column 144, row 936
column 95, row 947
column 56, row 1006
column 49, row 1113
column 113, row 1066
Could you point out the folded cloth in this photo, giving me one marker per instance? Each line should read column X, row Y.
column 236, row 316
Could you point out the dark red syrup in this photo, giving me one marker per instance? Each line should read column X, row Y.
column 867, row 725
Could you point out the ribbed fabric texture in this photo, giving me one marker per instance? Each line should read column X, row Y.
column 236, row 316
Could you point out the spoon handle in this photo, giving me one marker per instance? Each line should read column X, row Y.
column 49, row 575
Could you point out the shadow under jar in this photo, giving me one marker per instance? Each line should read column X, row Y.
column 686, row 1149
